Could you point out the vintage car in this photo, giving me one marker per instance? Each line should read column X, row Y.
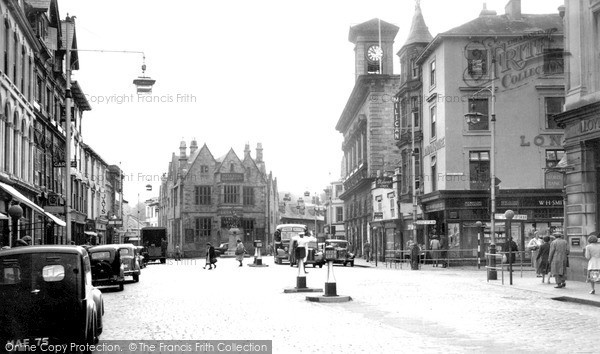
column 341, row 250
column 222, row 249
column 130, row 260
column 47, row 297
column 107, row 268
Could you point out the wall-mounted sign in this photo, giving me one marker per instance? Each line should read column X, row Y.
column 425, row 222
column 383, row 182
column 378, row 215
column 575, row 241
column 232, row 177
column 543, row 140
column 554, row 180
column 435, row 146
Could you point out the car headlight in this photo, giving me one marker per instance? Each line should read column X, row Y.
column 285, row 249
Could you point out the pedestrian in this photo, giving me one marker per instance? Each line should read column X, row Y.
column 415, row 252
column 177, row 253
column 543, row 266
column 211, row 258
column 444, row 250
column 434, row 245
column 513, row 248
column 301, row 253
column 592, row 253
column 239, row 252
column 534, row 246
column 559, row 249
column 367, row 250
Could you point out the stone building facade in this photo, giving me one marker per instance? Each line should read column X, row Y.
column 207, row 199
column 582, row 128
column 367, row 124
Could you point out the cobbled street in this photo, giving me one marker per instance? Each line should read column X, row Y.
column 393, row 310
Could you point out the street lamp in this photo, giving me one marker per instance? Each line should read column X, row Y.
column 474, row 118
column 143, row 83
column 15, row 212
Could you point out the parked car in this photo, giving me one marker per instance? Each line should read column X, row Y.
column 341, row 250
column 47, row 297
column 222, row 249
column 130, row 260
column 107, row 268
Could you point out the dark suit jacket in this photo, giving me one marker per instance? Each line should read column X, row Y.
column 211, row 252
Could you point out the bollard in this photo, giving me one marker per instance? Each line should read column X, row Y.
column 257, row 255
column 330, row 285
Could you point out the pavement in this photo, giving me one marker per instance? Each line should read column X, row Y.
column 575, row 291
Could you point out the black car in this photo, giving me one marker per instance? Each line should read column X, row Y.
column 130, row 260
column 47, row 297
column 107, row 268
column 342, row 256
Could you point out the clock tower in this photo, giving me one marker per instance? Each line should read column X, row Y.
column 370, row 56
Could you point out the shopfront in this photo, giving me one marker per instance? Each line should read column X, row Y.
column 456, row 213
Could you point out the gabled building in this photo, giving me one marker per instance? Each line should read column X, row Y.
column 207, row 199
column 525, row 54
column 367, row 124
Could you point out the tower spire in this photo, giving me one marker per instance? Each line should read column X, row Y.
column 419, row 33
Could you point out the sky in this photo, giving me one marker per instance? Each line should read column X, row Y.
column 233, row 72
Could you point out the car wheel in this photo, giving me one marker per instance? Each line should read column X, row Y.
column 345, row 264
column 314, row 265
column 136, row 278
column 352, row 264
column 163, row 260
column 320, row 265
column 121, row 287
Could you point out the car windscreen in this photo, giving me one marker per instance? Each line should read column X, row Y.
column 337, row 244
column 125, row 252
column 99, row 256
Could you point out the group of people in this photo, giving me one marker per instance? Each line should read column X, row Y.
column 211, row 255
column 552, row 257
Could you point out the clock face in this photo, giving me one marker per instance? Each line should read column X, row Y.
column 374, row 53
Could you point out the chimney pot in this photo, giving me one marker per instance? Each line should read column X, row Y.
column 513, row 9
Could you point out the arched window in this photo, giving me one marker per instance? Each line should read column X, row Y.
column 7, row 134
column 24, row 146
column 16, row 143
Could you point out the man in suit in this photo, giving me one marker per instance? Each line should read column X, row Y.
column 559, row 250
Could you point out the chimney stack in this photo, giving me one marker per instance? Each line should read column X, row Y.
column 182, row 151
column 247, row 151
column 193, row 146
column 513, row 9
column 259, row 152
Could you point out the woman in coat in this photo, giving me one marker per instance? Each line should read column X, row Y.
column 542, row 259
column 592, row 253
column 559, row 250
column 211, row 257
column 239, row 252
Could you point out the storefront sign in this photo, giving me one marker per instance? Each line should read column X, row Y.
column 575, row 241
column 435, row 146
column 383, row 182
column 434, row 206
column 509, row 203
column 589, row 125
column 378, row 215
column 425, row 222
column 473, row 203
column 516, row 217
column 232, row 177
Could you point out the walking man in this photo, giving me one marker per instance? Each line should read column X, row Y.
column 559, row 249
column 367, row 250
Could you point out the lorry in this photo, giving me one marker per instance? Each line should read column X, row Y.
column 154, row 240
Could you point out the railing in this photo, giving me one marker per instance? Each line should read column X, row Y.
column 502, row 263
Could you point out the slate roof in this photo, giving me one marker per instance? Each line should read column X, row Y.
column 371, row 27
column 419, row 33
column 503, row 25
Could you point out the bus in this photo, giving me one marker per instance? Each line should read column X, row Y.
column 282, row 238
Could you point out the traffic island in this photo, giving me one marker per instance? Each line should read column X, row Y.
column 257, row 255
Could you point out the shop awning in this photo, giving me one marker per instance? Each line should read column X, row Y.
column 3, row 217
column 21, row 198
column 90, row 233
column 56, row 220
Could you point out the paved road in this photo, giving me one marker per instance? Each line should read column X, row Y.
column 432, row 310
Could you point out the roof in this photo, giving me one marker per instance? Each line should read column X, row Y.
column 101, row 248
column 79, row 97
column 39, row 4
column 500, row 25
column 371, row 29
column 419, row 33
column 44, row 249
